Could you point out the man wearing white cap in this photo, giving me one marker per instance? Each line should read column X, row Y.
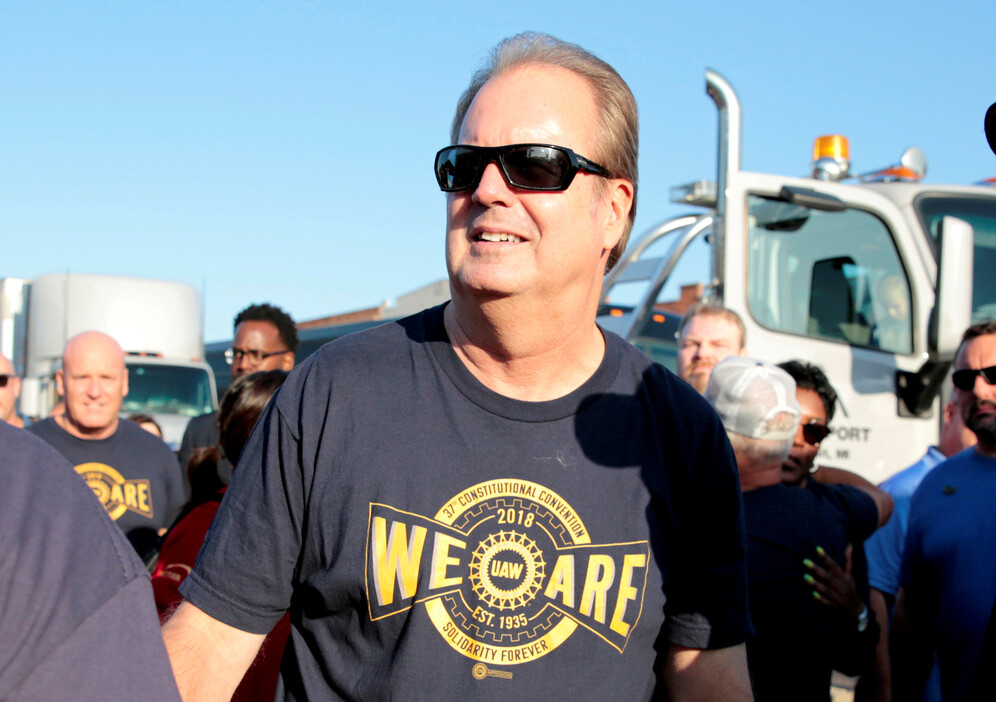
column 792, row 653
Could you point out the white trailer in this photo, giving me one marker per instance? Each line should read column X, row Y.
column 158, row 324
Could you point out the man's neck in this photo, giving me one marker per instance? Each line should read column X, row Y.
column 756, row 476
column 524, row 350
column 81, row 432
column 984, row 449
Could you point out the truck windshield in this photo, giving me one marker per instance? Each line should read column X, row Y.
column 168, row 389
column 980, row 212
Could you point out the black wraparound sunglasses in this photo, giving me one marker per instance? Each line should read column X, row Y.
column 965, row 379
column 525, row 166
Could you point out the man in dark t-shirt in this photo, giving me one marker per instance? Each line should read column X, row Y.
column 492, row 499
column 791, row 653
column 133, row 473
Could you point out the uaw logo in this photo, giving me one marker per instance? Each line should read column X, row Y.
column 506, row 571
column 114, row 492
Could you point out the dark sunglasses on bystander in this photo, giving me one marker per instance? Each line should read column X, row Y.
column 525, row 166
column 814, row 432
column 965, row 379
column 3, row 380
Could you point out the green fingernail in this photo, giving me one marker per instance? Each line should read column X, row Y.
column 819, row 550
column 816, row 596
column 809, row 578
column 808, row 563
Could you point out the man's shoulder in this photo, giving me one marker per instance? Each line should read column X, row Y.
column 45, row 428
column 657, row 379
column 202, row 424
column 374, row 345
column 363, row 362
column 136, row 438
column 846, row 494
column 37, row 477
column 28, row 458
column 965, row 470
column 371, row 355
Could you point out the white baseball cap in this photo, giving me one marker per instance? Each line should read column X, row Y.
column 754, row 398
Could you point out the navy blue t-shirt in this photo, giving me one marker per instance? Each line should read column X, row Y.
column 797, row 639
column 77, row 618
column 431, row 537
column 133, row 473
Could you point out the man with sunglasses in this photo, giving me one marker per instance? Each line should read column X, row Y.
column 265, row 339
column 491, row 499
column 885, row 547
column 948, row 575
column 10, row 388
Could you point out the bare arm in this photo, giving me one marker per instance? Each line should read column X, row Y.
column 911, row 646
column 691, row 675
column 839, row 476
column 208, row 657
column 876, row 685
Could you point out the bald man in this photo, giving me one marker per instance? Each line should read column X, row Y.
column 10, row 388
column 133, row 473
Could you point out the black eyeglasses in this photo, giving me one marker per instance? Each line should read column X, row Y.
column 965, row 379
column 3, row 380
column 255, row 357
column 814, row 432
column 525, row 166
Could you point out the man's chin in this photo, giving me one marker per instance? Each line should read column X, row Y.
column 699, row 379
column 792, row 475
column 983, row 425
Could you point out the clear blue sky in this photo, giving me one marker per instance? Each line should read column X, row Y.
column 281, row 151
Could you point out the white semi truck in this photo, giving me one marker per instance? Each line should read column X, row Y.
column 874, row 280
column 158, row 324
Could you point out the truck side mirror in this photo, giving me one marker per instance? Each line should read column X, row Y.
column 951, row 316
column 952, row 312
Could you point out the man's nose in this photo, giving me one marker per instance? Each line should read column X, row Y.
column 242, row 363
column 492, row 186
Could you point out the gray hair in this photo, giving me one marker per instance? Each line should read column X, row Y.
column 618, row 144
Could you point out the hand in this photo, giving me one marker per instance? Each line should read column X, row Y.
column 832, row 585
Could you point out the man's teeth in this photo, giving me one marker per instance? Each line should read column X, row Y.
column 489, row 236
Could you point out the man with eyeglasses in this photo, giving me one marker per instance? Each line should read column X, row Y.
column 491, row 499
column 265, row 339
column 948, row 575
column 10, row 388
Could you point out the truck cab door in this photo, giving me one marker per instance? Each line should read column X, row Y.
column 846, row 287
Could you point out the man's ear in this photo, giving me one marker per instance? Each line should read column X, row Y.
column 60, row 383
column 620, row 201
